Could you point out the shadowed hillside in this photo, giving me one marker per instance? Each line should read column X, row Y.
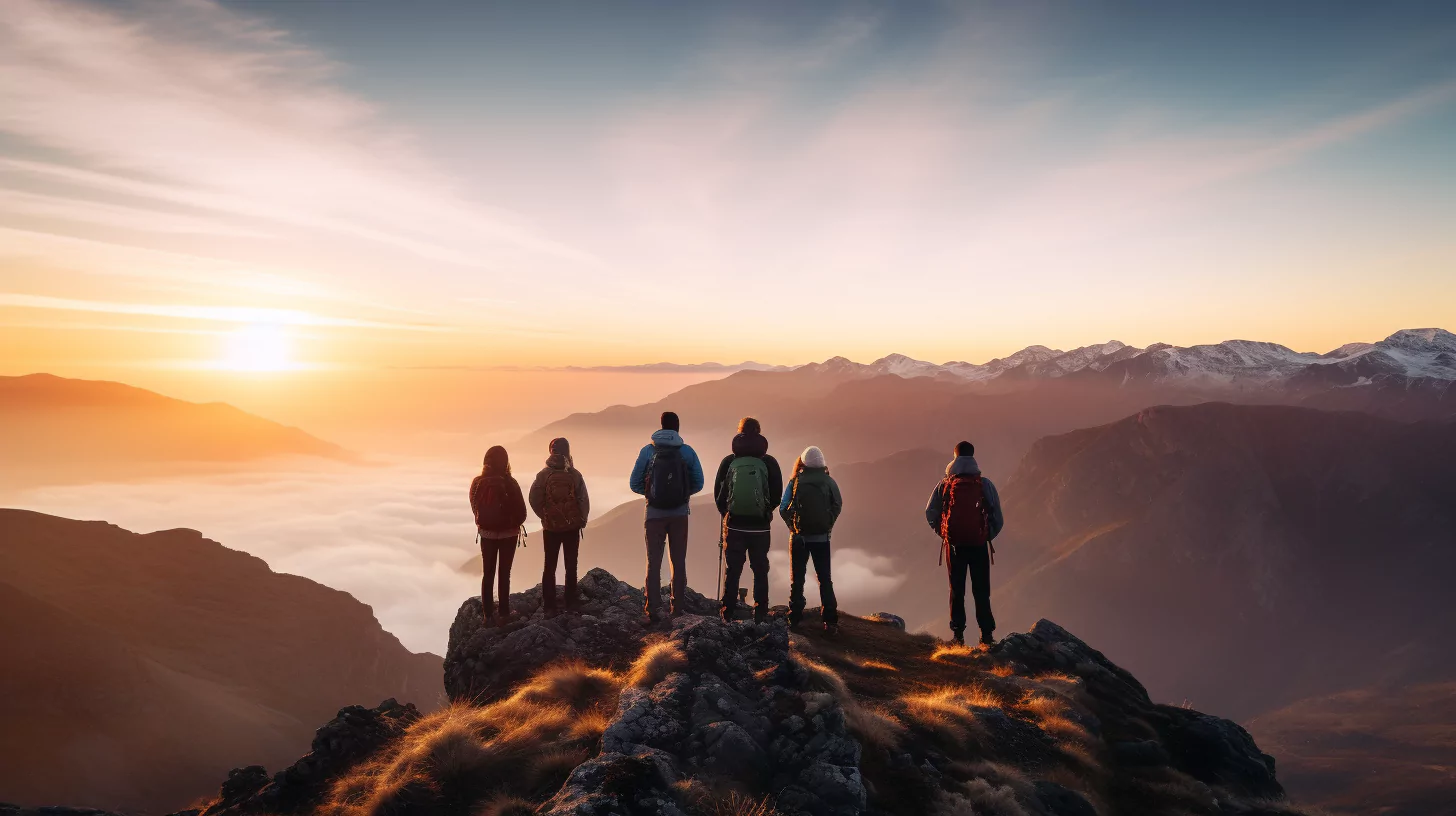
column 1388, row 750
column 60, row 430
column 1196, row 544
column 149, row 664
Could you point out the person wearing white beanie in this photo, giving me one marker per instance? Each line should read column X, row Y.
column 810, row 506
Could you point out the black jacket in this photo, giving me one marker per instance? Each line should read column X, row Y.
column 757, row 446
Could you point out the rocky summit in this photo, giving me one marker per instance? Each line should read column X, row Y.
column 592, row 713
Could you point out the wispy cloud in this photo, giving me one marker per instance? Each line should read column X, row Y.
column 194, row 105
column 223, row 314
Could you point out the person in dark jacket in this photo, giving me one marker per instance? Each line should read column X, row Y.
column 559, row 499
column 967, row 556
column 811, row 504
column 746, row 534
column 500, row 510
column 666, row 526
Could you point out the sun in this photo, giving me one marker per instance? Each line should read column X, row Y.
column 258, row 347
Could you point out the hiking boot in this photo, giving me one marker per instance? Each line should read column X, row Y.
column 550, row 613
column 831, row 629
column 987, row 640
column 489, row 622
column 653, row 619
column 760, row 616
column 958, row 638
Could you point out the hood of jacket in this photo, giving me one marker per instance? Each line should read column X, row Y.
column 750, row 444
column 667, row 439
column 558, row 461
column 963, row 466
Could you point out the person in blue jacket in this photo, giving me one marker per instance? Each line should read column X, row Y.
column 667, row 473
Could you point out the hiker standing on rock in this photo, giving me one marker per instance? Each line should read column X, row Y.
column 810, row 506
column 966, row 511
column 667, row 474
column 748, row 482
column 558, row 497
column 495, row 499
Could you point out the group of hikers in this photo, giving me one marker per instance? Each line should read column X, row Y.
column 964, row 509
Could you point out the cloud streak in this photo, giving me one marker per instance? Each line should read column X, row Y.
column 221, row 314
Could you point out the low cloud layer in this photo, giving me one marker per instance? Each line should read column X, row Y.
column 390, row 536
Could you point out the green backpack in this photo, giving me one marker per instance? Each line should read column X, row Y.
column 748, row 487
column 813, row 506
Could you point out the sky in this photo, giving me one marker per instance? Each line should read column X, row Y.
column 206, row 189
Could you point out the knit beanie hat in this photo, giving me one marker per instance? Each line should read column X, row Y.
column 559, row 445
column 813, row 457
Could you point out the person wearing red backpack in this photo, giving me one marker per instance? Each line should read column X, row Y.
column 966, row 511
column 558, row 497
column 495, row 499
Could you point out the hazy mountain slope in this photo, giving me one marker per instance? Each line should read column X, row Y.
column 1389, row 750
column 252, row 658
column 98, row 722
column 1197, row 543
column 56, row 429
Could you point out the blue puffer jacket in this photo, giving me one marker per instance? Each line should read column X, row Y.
column 638, row 482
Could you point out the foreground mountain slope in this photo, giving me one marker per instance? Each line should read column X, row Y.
column 592, row 714
column 1388, row 749
column 1197, row 543
column 56, row 429
column 150, row 663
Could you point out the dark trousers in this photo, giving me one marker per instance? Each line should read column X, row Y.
column 800, row 553
column 491, row 551
column 977, row 561
column 556, row 542
column 738, row 545
column 673, row 534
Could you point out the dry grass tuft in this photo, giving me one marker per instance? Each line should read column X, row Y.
column 980, row 798
column 507, row 806
column 951, row 653
column 949, row 713
column 496, row 760
column 574, row 685
column 877, row 665
column 872, row 726
column 655, row 663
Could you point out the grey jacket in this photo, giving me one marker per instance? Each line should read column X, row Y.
column 557, row 462
column 965, row 465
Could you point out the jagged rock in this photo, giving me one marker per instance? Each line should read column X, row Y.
column 1062, row 801
column 741, row 713
column 482, row 662
column 352, row 736
column 887, row 619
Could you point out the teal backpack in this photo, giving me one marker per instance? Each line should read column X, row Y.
column 748, row 487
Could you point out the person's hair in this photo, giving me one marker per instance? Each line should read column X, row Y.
column 749, row 425
column 670, row 422
column 497, row 461
column 799, row 467
column 964, row 448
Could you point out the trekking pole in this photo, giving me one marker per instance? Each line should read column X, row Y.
column 722, row 544
column 992, row 544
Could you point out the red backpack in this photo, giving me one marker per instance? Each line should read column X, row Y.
column 963, row 516
column 492, row 499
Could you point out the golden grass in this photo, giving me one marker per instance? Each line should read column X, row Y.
column 949, row 712
column 870, row 725
column 877, row 665
column 951, row 653
column 494, row 760
column 657, row 660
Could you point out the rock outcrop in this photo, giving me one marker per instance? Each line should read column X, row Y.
column 484, row 662
column 698, row 717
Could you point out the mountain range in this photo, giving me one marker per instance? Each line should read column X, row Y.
column 1409, row 354
column 140, row 668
